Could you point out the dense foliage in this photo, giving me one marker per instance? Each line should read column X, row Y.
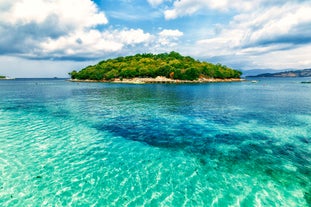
column 171, row 65
column 2, row 77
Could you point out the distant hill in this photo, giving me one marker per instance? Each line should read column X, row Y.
column 291, row 73
column 254, row 72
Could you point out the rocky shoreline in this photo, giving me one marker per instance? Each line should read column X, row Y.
column 161, row 79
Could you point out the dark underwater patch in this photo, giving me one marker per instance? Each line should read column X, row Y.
column 191, row 138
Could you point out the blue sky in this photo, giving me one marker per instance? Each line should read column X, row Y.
column 47, row 38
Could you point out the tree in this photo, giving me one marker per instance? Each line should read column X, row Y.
column 191, row 74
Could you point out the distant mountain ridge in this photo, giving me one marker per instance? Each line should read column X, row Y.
column 254, row 72
column 291, row 73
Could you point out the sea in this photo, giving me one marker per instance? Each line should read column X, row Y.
column 108, row 144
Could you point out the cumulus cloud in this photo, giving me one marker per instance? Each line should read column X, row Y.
column 94, row 43
column 285, row 24
column 276, row 25
column 278, row 29
column 174, row 33
column 69, row 30
column 235, row 32
column 169, row 37
column 256, row 22
column 26, row 24
column 72, row 14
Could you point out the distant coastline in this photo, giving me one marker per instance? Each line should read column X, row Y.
column 285, row 74
column 160, row 79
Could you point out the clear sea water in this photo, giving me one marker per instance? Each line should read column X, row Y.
column 101, row 144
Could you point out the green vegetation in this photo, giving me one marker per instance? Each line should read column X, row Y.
column 171, row 65
column 2, row 77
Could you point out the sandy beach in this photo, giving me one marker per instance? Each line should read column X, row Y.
column 161, row 79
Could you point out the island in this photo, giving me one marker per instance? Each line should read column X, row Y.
column 2, row 77
column 291, row 73
column 155, row 68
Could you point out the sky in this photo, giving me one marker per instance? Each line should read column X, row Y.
column 49, row 38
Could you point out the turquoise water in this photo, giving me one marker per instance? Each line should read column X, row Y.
column 101, row 144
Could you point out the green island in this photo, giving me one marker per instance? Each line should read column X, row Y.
column 2, row 77
column 165, row 67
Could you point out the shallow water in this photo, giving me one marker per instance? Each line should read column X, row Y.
column 101, row 144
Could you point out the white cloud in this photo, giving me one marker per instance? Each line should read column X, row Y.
column 170, row 33
column 275, row 23
column 26, row 25
column 68, row 30
column 189, row 7
column 155, row 2
column 282, row 59
column 94, row 43
column 264, row 34
column 168, row 37
column 245, row 32
column 132, row 36
column 70, row 12
column 184, row 8
column 264, row 27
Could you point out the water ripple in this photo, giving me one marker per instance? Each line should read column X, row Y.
column 153, row 145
